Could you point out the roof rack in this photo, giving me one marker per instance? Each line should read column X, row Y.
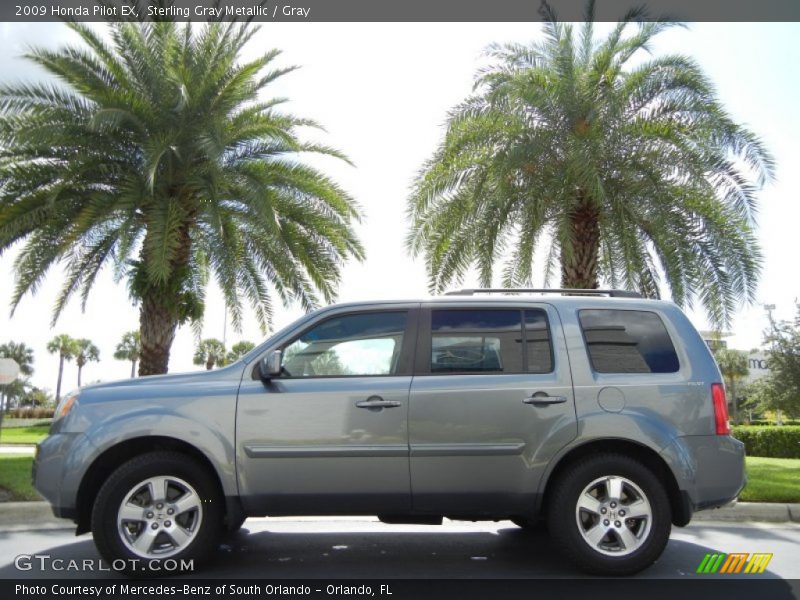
column 566, row 291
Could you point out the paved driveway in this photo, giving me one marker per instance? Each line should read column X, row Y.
column 364, row 548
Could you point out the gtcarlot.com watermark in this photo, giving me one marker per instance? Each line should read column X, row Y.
column 44, row 562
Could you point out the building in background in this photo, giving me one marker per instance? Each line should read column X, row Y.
column 757, row 365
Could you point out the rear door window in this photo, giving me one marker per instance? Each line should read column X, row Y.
column 627, row 341
column 490, row 341
column 538, row 346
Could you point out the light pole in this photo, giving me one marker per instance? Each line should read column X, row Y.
column 225, row 325
column 769, row 308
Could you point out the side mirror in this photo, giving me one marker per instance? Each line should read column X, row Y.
column 270, row 365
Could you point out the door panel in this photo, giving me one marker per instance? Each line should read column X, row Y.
column 480, row 441
column 331, row 435
column 304, row 447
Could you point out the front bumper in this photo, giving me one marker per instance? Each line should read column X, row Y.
column 58, row 466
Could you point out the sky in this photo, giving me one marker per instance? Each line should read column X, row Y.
column 382, row 91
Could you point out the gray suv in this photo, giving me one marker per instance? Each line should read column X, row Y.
column 601, row 415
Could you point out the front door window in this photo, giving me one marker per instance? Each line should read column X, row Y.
column 349, row 346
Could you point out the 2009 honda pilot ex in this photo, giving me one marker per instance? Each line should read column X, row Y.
column 604, row 416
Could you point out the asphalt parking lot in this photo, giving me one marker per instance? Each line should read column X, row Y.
column 354, row 548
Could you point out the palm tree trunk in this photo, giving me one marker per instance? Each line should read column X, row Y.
column 157, row 326
column 60, row 375
column 158, row 315
column 133, row 369
column 579, row 266
column 209, row 364
column 80, row 369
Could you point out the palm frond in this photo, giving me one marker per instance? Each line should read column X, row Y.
column 568, row 136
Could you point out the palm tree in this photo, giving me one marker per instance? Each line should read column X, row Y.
column 733, row 366
column 129, row 348
column 210, row 352
column 238, row 350
column 66, row 348
column 628, row 173
column 35, row 396
column 158, row 154
column 23, row 355
column 85, row 351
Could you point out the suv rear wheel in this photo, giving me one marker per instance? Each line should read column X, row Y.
column 157, row 506
column 610, row 515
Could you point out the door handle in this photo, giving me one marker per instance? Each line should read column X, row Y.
column 542, row 399
column 378, row 403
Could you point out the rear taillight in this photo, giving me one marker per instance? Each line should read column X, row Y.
column 720, row 408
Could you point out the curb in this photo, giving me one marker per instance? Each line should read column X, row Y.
column 29, row 516
column 743, row 512
column 17, row 449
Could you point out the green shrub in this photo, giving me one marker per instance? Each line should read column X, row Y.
column 770, row 441
column 31, row 412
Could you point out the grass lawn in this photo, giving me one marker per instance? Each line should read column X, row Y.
column 15, row 477
column 23, row 435
column 772, row 480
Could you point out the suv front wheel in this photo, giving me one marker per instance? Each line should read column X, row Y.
column 157, row 506
column 610, row 514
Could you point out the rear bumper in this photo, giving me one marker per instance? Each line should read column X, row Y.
column 709, row 469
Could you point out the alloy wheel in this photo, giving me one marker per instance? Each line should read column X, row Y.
column 613, row 515
column 159, row 517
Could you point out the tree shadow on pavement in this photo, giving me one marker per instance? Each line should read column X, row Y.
column 505, row 553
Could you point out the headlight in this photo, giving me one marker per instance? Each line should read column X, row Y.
column 66, row 404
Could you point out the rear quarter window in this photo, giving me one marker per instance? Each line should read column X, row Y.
column 627, row 341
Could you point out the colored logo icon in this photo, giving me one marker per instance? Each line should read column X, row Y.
column 736, row 562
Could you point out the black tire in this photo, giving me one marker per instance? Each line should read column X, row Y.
column 107, row 535
column 232, row 528
column 530, row 525
column 563, row 524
